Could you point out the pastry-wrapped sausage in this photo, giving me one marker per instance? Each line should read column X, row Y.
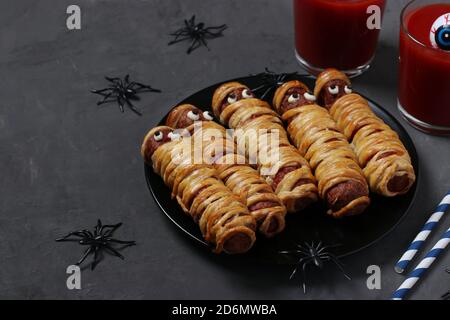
column 289, row 173
column 382, row 156
column 223, row 219
column 340, row 180
column 263, row 204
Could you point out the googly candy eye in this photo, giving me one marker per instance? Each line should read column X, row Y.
column 193, row 115
column 247, row 94
column 173, row 136
column 207, row 115
column 333, row 90
column 348, row 90
column 440, row 32
column 293, row 98
column 310, row 97
column 158, row 136
column 231, row 98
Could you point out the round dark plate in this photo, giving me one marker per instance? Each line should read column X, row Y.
column 349, row 234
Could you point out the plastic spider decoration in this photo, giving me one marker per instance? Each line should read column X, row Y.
column 123, row 91
column 101, row 239
column 312, row 254
column 197, row 34
column 446, row 296
column 270, row 81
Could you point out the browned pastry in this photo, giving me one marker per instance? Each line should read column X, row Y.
column 223, row 219
column 340, row 179
column 263, row 204
column 385, row 161
column 255, row 124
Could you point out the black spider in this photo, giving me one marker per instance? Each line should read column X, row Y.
column 312, row 254
column 123, row 91
column 271, row 80
column 197, row 34
column 446, row 296
column 100, row 239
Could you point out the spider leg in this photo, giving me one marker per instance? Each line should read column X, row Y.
column 290, row 251
column 132, row 107
column 105, row 99
column 128, row 243
column 194, row 45
column 87, row 233
column 111, row 229
column 176, row 40
column 446, row 296
column 144, row 86
column 120, row 103
column 220, row 28
column 203, row 41
column 84, row 256
column 304, row 276
column 259, row 88
column 191, row 21
column 301, row 261
column 212, row 35
column 96, row 260
column 113, row 251
column 101, row 91
column 113, row 79
column 98, row 227
column 339, row 264
column 80, row 234
column 266, row 92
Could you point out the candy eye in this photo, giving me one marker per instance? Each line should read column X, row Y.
column 193, row 115
column 310, row 97
column 333, row 90
column 232, row 98
column 247, row 94
column 440, row 32
column 348, row 90
column 173, row 136
column 158, row 136
column 294, row 98
column 443, row 37
column 207, row 116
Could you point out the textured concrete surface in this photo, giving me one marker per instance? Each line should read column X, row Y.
column 64, row 162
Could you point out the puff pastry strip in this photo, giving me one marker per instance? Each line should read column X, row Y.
column 286, row 170
column 219, row 149
column 223, row 219
column 382, row 156
column 340, row 180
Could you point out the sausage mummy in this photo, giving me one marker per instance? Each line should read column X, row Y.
column 289, row 175
column 340, row 180
column 223, row 219
column 385, row 161
column 263, row 204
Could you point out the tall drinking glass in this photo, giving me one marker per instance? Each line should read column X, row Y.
column 337, row 33
column 424, row 82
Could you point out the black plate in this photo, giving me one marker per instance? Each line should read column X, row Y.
column 351, row 234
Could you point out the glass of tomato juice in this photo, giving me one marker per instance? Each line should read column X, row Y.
column 336, row 33
column 424, row 68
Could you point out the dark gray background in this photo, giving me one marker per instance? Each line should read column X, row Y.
column 64, row 162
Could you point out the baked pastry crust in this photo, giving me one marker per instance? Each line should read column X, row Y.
column 382, row 156
column 232, row 167
column 223, row 219
column 328, row 152
column 286, row 170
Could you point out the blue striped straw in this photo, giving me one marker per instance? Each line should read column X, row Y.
column 422, row 267
column 417, row 243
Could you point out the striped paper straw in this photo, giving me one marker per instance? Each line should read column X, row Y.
column 422, row 267
column 417, row 243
